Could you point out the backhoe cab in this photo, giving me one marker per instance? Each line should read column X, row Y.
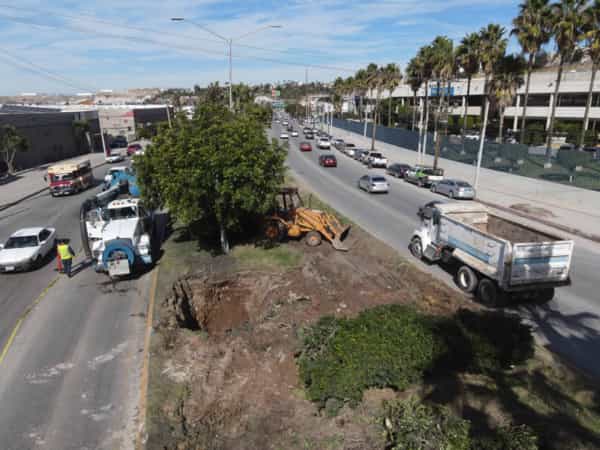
column 292, row 219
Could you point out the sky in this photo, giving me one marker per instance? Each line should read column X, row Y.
column 66, row 46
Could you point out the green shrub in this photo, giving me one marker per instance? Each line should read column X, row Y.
column 387, row 346
column 508, row 438
column 412, row 425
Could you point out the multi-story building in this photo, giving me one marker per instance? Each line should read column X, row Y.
column 571, row 102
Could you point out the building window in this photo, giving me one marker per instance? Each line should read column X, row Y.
column 572, row 100
column 538, row 100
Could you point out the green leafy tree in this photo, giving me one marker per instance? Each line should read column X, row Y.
column 11, row 143
column 591, row 33
column 567, row 29
column 218, row 168
column 532, row 29
column 469, row 60
column 414, row 74
column 508, row 78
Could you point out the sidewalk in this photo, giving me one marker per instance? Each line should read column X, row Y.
column 31, row 182
column 570, row 209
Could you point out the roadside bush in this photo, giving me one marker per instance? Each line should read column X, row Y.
column 387, row 346
column 508, row 438
column 412, row 425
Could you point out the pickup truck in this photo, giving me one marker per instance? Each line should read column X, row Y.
column 424, row 176
column 497, row 258
column 376, row 159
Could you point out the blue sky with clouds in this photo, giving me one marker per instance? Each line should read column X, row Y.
column 72, row 46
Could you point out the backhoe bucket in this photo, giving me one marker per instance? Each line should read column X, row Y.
column 336, row 242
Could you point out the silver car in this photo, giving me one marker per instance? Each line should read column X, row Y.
column 373, row 184
column 454, row 189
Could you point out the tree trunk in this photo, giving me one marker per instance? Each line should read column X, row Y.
column 552, row 113
column 390, row 111
column 438, row 136
column 588, row 104
column 224, row 240
column 499, row 139
column 526, row 98
column 466, row 112
column 424, row 149
column 374, row 130
column 414, row 117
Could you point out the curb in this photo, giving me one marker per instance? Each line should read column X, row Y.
column 33, row 194
column 576, row 232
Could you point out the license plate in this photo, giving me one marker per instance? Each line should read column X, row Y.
column 118, row 267
column 9, row 268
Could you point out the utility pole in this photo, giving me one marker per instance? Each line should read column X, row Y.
column 481, row 142
column 230, row 42
column 169, row 116
column 306, row 92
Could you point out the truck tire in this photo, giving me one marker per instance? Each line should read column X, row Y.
column 416, row 247
column 545, row 295
column 489, row 294
column 115, row 246
column 313, row 238
column 466, row 279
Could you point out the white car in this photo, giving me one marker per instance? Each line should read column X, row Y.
column 294, row 134
column 284, row 136
column 376, row 159
column 373, row 184
column 114, row 158
column 285, row 123
column 324, row 143
column 26, row 249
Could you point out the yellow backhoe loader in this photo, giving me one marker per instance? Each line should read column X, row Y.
column 292, row 219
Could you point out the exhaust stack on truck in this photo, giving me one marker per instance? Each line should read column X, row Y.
column 497, row 257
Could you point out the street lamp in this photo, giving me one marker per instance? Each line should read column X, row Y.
column 229, row 41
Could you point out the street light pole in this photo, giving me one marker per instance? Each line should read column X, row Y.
column 229, row 41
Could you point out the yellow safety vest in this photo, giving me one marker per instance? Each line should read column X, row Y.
column 64, row 252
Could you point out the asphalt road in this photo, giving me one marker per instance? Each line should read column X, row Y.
column 70, row 378
column 569, row 324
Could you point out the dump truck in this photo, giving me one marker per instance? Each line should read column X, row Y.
column 292, row 219
column 498, row 259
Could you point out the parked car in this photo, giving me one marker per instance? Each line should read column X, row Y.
column 338, row 143
column 376, row 159
column 454, row 189
column 324, row 143
column 373, row 184
column 305, row 147
column 310, row 136
column 359, row 153
column 26, row 249
column 114, row 158
column 290, row 128
column 424, row 176
column 348, row 148
column 132, row 148
column 294, row 134
column 473, row 135
column 285, row 123
column 349, row 151
column 398, row 170
column 284, row 136
column 306, row 130
column 327, row 161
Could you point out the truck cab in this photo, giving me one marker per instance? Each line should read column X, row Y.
column 120, row 236
column 70, row 178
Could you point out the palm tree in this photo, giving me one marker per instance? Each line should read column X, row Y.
column 361, row 86
column 339, row 89
column 493, row 47
column 566, row 24
column 426, row 57
column 468, row 59
column 392, row 78
column 508, row 78
column 591, row 29
column 414, row 74
column 376, row 81
column 532, row 29
column 443, row 70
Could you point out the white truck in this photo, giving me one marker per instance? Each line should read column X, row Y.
column 119, row 236
column 497, row 258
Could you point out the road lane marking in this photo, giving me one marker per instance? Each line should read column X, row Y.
column 139, row 444
column 22, row 317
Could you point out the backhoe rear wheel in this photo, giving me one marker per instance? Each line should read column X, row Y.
column 313, row 238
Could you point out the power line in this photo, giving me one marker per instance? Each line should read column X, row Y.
column 181, row 47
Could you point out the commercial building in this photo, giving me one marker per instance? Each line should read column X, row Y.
column 571, row 102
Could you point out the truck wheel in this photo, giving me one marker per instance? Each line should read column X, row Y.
column 451, row 194
column 313, row 238
column 274, row 231
column 466, row 279
column 416, row 247
column 545, row 295
column 490, row 294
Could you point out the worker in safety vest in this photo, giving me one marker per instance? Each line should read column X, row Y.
column 66, row 254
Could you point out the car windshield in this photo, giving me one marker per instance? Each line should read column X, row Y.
column 463, row 184
column 378, row 179
column 376, row 155
column 62, row 177
column 129, row 212
column 22, row 242
column 435, row 172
